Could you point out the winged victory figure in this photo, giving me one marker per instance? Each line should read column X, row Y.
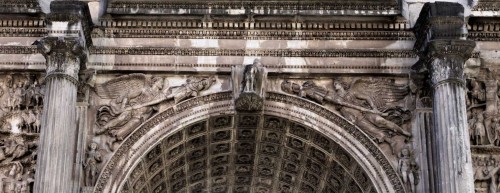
column 135, row 98
column 371, row 105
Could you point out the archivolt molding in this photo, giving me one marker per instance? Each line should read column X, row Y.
column 151, row 133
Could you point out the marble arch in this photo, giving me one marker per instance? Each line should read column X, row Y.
column 151, row 140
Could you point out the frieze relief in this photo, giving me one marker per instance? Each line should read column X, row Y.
column 482, row 110
column 486, row 173
column 21, row 103
column 483, row 117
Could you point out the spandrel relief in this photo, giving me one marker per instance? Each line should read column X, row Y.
column 377, row 106
column 125, row 102
column 380, row 107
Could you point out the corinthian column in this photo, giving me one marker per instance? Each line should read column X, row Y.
column 64, row 51
column 451, row 145
column 443, row 50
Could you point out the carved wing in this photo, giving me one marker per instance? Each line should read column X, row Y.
column 118, row 86
column 383, row 92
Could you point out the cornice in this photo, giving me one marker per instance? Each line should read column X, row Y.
column 13, row 22
column 484, row 29
column 20, row 6
column 23, row 65
column 252, row 34
column 72, row 12
column 18, row 50
column 487, row 5
column 227, row 52
column 284, row 22
column 231, row 52
column 252, row 52
column 226, row 68
column 23, row 32
column 336, row 7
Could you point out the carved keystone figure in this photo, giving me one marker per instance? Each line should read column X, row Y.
column 250, row 78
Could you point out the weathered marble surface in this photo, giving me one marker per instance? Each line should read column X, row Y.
column 313, row 65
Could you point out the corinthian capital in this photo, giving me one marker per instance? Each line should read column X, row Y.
column 63, row 56
column 445, row 47
column 446, row 59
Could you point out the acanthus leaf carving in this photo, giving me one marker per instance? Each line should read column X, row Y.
column 63, row 56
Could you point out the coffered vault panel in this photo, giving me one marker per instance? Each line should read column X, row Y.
column 247, row 153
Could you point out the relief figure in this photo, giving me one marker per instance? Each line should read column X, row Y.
column 408, row 170
column 479, row 130
column 90, row 165
column 250, row 78
column 362, row 109
column 135, row 98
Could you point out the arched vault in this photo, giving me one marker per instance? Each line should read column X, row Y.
column 203, row 145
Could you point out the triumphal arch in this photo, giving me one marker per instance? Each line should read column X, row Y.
column 226, row 96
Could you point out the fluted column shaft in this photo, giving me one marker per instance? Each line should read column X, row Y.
column 55, row 169
column 450, row 141
column 451, row 145
column 422, row 135
column 56, row 155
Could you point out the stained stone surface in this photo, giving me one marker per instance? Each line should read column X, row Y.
column 348, row 96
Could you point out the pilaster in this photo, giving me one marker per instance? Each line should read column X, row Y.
column 443, row 49
column 65, row 53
